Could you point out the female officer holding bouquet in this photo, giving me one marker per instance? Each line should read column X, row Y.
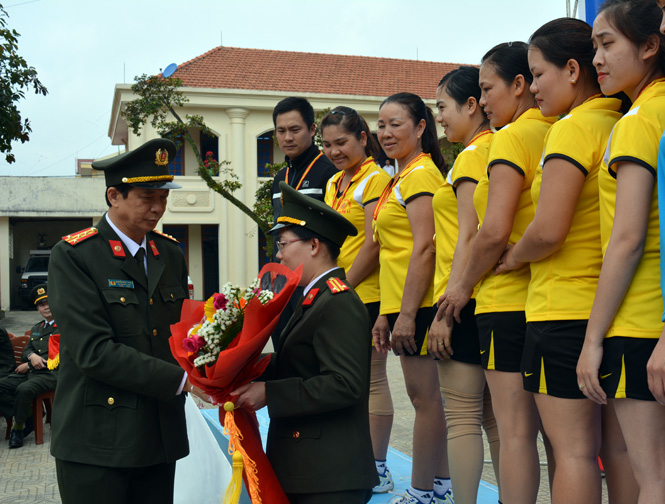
column 317, row 383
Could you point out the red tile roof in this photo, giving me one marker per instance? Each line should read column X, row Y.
column 301, row 72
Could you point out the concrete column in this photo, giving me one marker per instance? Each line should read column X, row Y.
column 5, row 277
column 235, row 236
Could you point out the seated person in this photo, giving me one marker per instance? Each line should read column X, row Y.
column 32, row 377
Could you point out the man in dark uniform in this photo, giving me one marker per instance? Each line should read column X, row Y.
column 32, row 377
column 118, row 415
column 317, row 384
column 307, row 170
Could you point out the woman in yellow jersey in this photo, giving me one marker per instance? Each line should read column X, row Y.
column 404, row 226
column 503, row 203
column 353, row 192
column 467, row 404
column 625, row 321
column 562, row 245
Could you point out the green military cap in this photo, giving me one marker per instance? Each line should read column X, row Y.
column 38, row 294
column 301, row 210
column 146, row 166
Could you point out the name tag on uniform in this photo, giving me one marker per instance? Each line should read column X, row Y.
column 124, row 284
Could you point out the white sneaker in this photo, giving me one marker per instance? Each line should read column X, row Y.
column 386, row 483
column 446, row 498
column 407, row 498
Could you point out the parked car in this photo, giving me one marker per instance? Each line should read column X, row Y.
column 34, row 273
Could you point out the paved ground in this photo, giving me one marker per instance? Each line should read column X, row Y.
column 27, row 475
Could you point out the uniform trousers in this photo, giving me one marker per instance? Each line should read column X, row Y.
column 85, row 483
column 18, row 391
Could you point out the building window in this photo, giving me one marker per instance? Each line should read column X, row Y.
column 209, row 143
column 177, row 164
column 210, row 248
column 181, row 234
column 264, row 153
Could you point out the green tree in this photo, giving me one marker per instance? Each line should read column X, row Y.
column 158, row 99
column 16, row 77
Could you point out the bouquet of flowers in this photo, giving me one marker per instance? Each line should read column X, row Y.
column 224, row 317
column 219, row 344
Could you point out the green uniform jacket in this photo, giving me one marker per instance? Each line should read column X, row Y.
column 317, row 394
column 38, row 343
column 116, row 403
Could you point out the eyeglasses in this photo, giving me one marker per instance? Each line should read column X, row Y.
column 281, row 245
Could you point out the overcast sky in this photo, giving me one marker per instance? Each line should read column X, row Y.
column 82, row 48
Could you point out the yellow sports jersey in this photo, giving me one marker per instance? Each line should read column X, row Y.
column 420, row 177
column 635, row 139
column 563, row 285
column 518, row 145
column 469, row 165
column 366, row 187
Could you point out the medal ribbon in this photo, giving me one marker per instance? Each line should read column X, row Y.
column 383, row 200
column 338, row 201
column 286, row 178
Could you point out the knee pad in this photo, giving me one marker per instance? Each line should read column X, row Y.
column 380, row 400
column 463, row 413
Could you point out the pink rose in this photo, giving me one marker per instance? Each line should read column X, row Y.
column 199, row 341
column 190, row 345
column 220, row 302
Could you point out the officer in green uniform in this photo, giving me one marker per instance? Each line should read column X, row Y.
column 118, row 414
column 32, row 377
column 317, row 383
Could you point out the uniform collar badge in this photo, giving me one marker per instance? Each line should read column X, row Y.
column 116, row 248
column 153, row 247
column 309, row 299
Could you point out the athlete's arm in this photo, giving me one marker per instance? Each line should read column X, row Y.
column 419, row 274
column 505, row 187
column 368, row 255
column 631, row 219
column 560, row 191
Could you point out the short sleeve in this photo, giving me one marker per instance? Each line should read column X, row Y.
column 421, row 181
column 376, row 183
column 470, row 164
column 508, row 147
column 633, row 141
column 566, row 140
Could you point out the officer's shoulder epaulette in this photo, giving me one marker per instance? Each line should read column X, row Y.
column 165, row 235
column 336, row 285
column 79, row 236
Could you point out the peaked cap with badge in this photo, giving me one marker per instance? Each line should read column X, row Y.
column 39, row 294
column 301, row 210
column 146, row 166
